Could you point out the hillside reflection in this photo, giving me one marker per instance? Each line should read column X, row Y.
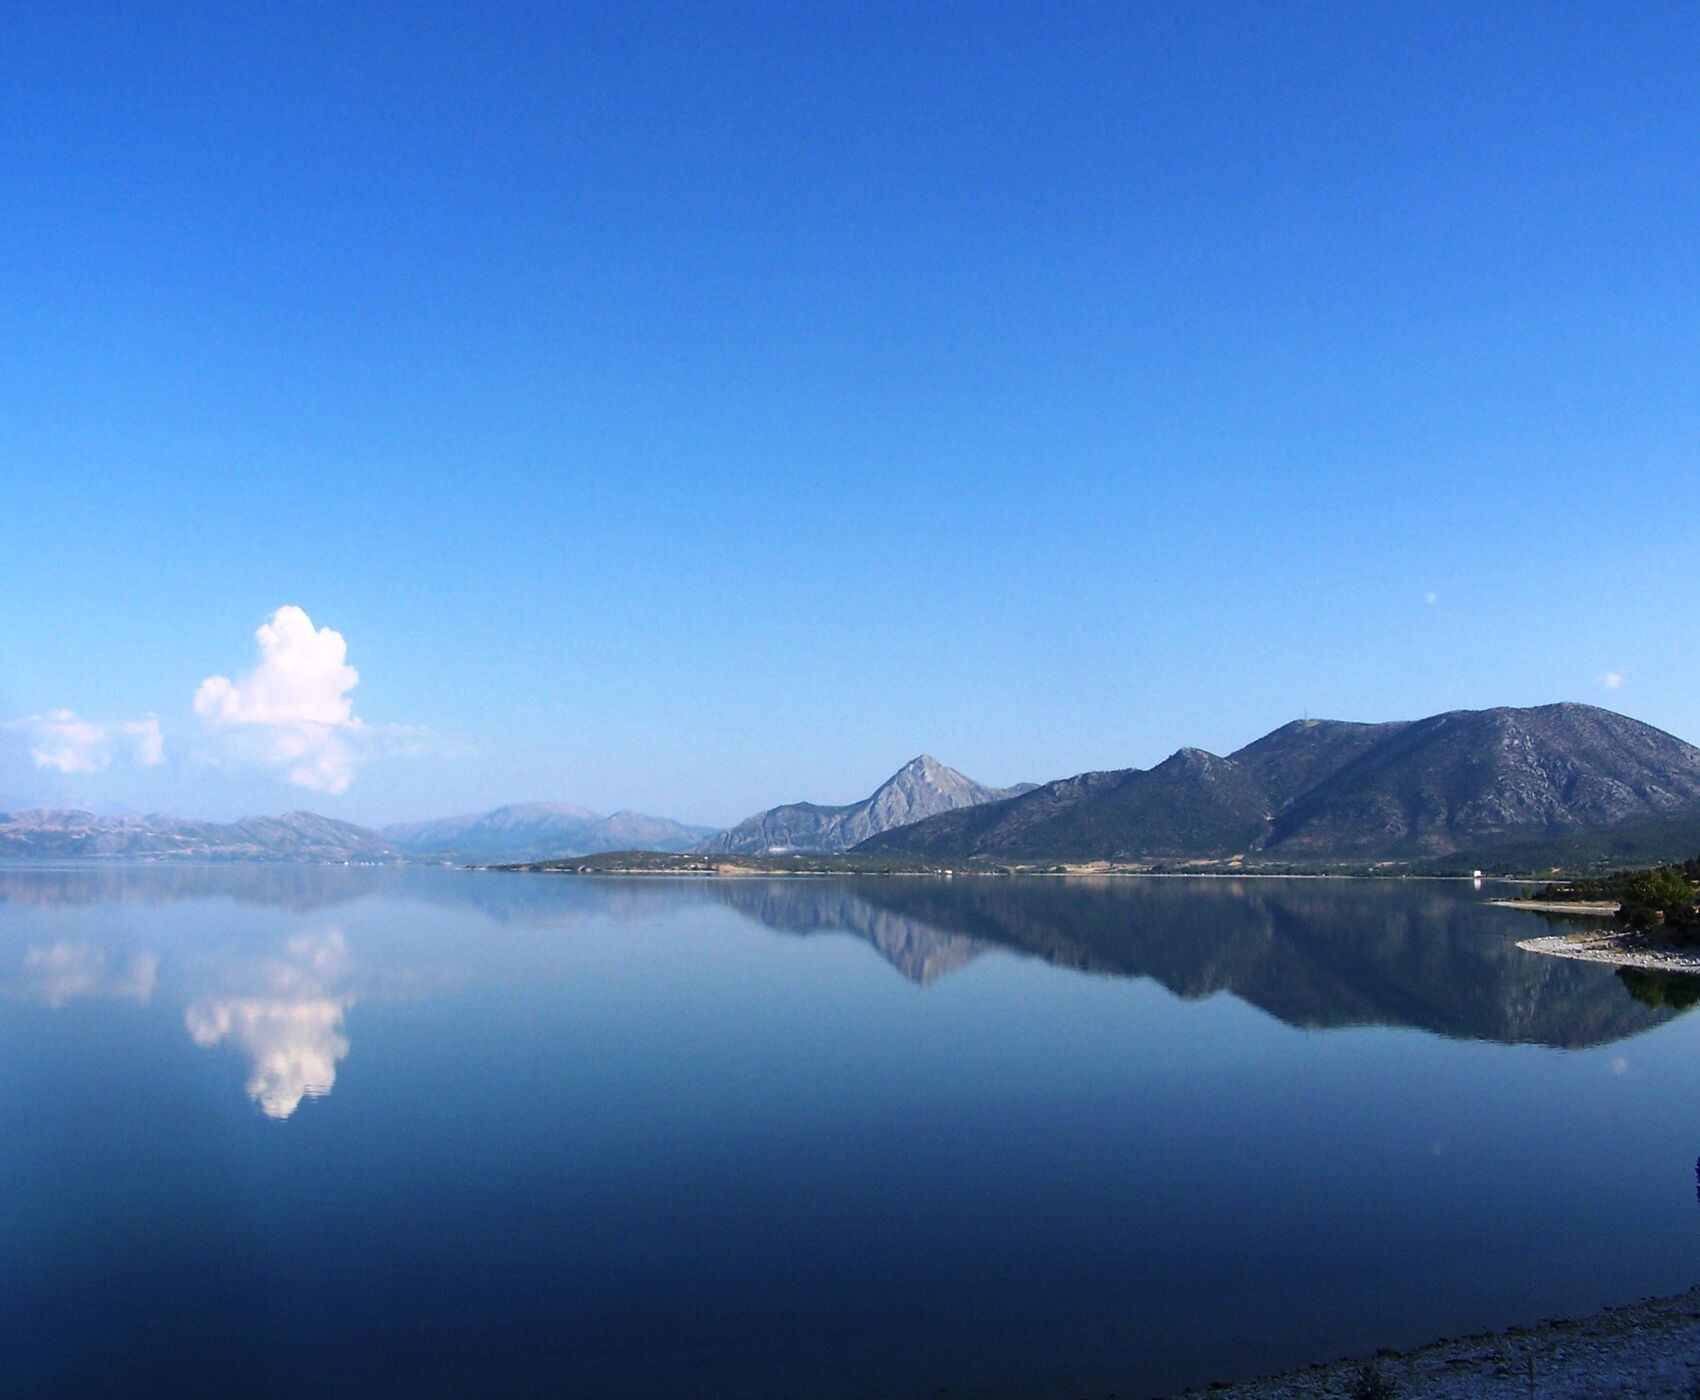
column 245, row 958
column 1314, row 953
column 154, row 883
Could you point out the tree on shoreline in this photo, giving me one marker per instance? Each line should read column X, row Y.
column 1665, row 894
column 1658, row 896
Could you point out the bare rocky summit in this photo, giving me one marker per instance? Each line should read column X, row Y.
column 922, row 788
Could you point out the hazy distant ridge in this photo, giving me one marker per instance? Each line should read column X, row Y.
column 52, row 834
column 524, row 832
column 539, row 831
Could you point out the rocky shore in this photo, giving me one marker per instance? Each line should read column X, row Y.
column 1648, row 1350
column 1619, row 948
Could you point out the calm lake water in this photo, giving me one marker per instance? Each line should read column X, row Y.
column 282, row 1131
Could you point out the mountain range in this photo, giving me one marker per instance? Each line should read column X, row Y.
column 48, row 834
column 525, row 831
column 922, row 788
column 1319, row 792
column 1505, row 788
column 537, row 831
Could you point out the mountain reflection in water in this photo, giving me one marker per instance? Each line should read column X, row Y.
column 1314, row 953
column 284, row 1131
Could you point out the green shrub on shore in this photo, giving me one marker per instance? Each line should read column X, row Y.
column 1658, row 896
column 1665, row 894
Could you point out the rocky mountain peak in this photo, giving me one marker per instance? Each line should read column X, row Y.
column 922, row 788
column 1189, row 757
column 926, row 774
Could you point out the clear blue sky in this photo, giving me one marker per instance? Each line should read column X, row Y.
column 697, row 407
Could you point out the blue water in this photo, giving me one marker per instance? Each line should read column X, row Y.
column 278, row 1131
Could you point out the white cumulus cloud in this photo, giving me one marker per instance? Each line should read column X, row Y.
column 1611, row 680
column 64, row 741
column 294, row 703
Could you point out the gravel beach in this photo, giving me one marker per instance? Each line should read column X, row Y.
column 1648, row 1350
column 1618, row 948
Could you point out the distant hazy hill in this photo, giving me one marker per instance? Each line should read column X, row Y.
column 539, row 831
column 296, row 836
column 921, row 788
column 1321, row 791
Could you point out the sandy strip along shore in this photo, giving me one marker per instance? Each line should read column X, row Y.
column 1649, row 1350
column 1593, row 908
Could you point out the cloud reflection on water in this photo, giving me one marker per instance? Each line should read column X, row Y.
column 291, row 1028
column 294, row 1045
column 248, row 959
column 60, row 972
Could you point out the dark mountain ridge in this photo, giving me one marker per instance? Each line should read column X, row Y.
column 1317, row 792
column 1299, row 756
column 1482, row 774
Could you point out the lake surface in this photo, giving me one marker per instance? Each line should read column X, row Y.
column 286, row 1131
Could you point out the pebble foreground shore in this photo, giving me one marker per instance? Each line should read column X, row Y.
column 1648, row 1350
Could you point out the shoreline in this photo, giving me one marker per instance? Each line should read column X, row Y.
column 1589, row 908
column 1649, row 1349
column 1618, row 948
column 746, row 872
column 813, row 865
column 1614, row 946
